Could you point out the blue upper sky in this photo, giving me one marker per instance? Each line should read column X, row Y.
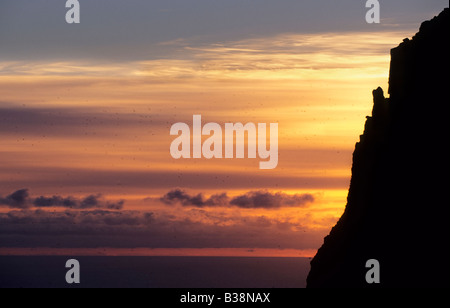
column 116, row 30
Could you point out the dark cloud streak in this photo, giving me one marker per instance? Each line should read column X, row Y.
column 21, row 200
column 101, row 180
column 254, row 199
column 267, row 200
column 17, row 199
column 131, row 229
column 69, row 121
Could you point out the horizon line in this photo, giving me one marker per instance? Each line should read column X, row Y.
column 159, row 252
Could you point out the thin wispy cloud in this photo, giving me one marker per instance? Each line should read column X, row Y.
column 282, row 56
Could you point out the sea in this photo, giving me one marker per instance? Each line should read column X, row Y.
column 155, row 272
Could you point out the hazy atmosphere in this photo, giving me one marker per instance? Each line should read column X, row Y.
column 86, row 111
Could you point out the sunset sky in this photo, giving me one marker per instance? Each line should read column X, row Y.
column 86, row 111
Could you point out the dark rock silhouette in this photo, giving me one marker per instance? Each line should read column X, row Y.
column 398, row 205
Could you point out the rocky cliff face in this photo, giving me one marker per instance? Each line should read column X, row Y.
column 398, row 205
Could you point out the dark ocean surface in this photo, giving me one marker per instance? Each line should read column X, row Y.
column 155, row 272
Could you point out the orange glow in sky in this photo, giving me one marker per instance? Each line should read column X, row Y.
column 81, row 128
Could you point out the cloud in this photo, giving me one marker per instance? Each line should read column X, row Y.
column 18, row 199
column 21, row 200
column 148, row 28
column 89, row 202
column 79, row 121
column 178, row 196
column 254, row 199
column 130, row 229
column 267, row 200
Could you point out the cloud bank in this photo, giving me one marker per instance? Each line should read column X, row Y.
column 130, row 229
column 202, row 222
column 20, row 199
column 249, row 200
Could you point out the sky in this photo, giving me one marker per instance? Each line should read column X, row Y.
column 86, row 111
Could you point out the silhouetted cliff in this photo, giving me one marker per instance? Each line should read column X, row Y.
column 398, row 202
